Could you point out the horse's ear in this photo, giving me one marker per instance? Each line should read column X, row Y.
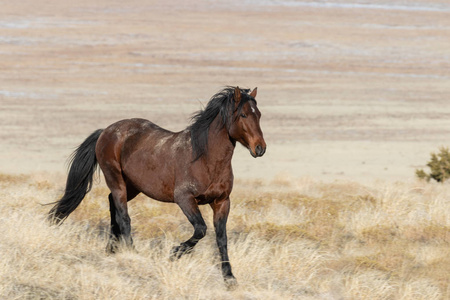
column 237, row 95
column 253, row 93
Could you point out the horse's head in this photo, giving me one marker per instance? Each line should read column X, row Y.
column 245, row 126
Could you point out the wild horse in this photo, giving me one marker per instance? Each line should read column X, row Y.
column 190, row 168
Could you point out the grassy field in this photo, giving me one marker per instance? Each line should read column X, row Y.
column 349, row 91
column 289, row 239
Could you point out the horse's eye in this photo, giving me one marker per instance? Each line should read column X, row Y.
column 243, row 115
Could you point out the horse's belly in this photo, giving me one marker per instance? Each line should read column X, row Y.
column 152, row 180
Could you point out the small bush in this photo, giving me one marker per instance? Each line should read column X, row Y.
column 439, row 166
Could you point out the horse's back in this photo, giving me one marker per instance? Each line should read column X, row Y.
column 129, row 127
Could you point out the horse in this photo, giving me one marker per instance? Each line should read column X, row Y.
column 190, row 168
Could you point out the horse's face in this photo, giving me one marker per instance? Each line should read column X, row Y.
column 245, row 127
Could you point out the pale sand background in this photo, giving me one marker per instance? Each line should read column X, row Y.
column 349, row 90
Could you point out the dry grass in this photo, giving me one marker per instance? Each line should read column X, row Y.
column 289, row 239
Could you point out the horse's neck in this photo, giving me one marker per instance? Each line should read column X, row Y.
column 220, row 147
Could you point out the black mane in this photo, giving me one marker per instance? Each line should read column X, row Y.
column 221, row 103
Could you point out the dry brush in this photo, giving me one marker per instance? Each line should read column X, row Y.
column 289, row 239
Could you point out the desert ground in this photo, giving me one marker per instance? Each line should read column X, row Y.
column 354, row 96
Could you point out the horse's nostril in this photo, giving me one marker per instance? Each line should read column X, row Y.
column 259, row 150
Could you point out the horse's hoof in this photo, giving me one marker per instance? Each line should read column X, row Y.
column 175, row 253
column 111, row 248
column 115, row 246
column 231, row 283
column 179, row 251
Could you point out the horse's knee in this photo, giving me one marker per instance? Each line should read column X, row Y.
column 200, row 231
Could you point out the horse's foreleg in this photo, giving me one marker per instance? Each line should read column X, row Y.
column 221, row 208
column 190, row 208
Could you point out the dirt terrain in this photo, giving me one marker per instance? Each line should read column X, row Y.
column 351, row 90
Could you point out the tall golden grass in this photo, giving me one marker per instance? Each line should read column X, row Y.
column 288, row 239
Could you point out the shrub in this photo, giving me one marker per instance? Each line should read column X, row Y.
column 439, row 165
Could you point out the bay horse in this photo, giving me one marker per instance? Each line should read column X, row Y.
column 190, row 168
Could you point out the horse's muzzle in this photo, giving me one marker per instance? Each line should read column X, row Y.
column 259, row 151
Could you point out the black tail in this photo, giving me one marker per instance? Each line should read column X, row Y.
column 83, row 164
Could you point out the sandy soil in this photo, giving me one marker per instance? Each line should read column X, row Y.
column 349, row 90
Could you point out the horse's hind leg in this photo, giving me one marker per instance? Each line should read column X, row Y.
column 190, row 208
column 115, row 229
column 120, row 220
